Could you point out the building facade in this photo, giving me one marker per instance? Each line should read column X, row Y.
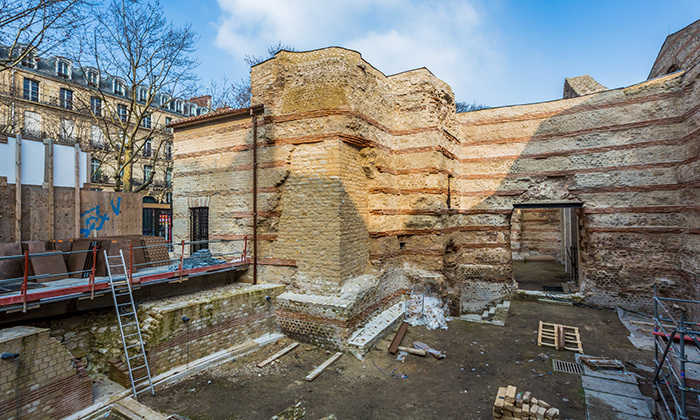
column 55, row 99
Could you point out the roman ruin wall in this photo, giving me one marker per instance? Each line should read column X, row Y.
column 369, row 185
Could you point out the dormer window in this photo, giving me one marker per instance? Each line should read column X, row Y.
column 203, row 110
column 165, row 101
column 118, row 87
column 193, row 110
column 93, row 78
column 63, row 69
column 178, row 106
column 29, row 61
column 142, row 94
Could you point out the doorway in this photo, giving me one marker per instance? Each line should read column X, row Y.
column 544, row 247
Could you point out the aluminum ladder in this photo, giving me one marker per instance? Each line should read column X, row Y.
column 129, row 328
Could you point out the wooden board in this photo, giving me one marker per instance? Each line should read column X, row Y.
column 10, row 269
column 314, row 373
column 76, row 262
column 396, row 342
column 109, row 213
column 49, row 264
column 278, row 354
column 550, row 335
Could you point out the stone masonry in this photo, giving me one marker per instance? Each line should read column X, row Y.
column 44, row 381
column 370, row 184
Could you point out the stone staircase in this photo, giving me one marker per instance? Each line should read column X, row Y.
column 365, row 338
column 494, row 315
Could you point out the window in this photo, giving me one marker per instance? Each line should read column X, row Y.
column 178, row 106
column 32, row 123
column 146, row 121
column 168, row 178
column 168, row 151
column 168, row 120
column 96, row 106
column 147, row 148
column 142, row 94
column 93, row 78
column 67, row 130
column 97, row 138
column 164, row 101
column 29, row 61
column 147, row 171
column 203, row 110
column 123, row 112
column 63, row 69
column 96, row 170
column 65, row 97
column 31, row 90
column 118, row 87
column 168, row 198
column 199, row 228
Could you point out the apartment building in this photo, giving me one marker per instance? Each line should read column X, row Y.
column 54, row 98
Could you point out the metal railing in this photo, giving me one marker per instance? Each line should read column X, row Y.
column 672, row 386
column 17, row 290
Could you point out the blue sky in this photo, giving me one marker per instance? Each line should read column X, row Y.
column 494, row 52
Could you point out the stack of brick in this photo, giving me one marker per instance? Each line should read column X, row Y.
column 513, row 405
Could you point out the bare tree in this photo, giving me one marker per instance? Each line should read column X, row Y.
column 144, row 64
column 465, row 107
column 252, row 60
column 30, row 27
column 238, row 94
column 229, row 94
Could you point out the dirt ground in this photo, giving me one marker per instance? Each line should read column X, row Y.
column 480, row 358
column 539, row 275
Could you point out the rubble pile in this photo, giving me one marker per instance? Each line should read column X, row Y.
column 201, row 258
column 513, row 405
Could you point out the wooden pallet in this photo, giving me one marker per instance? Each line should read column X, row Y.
column 561, row 337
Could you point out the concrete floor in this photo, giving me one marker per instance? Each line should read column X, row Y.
column 539, row 275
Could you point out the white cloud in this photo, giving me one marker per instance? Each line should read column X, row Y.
column 447, row 37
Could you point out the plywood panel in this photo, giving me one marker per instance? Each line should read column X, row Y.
column 108, row 213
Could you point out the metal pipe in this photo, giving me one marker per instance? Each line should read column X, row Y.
column 255, row 197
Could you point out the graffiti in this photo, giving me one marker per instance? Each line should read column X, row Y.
column 116, row 208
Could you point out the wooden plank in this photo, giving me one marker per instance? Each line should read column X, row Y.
column 417, row 352
column 48, row 184
column 396, row 342
column 18, row 188
column 77, row 190
column 539, row 335
column 314, row 373
column 278, row 354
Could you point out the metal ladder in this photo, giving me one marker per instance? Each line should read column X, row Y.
column 134, row 350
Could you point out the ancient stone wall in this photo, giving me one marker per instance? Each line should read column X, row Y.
column 363, row 174
column 680, row 51
column 536, row 232
column 43, row 381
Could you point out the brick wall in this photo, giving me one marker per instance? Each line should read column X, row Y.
column 217, row 321
column 49, row 386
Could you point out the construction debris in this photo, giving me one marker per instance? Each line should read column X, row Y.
column 596, row 363
column 513, row 405
column 396, row 342
column 201, row 258
column 561, row 337
column 426, row 310
column 417, row 352
column 435, row 353
column 314, row 373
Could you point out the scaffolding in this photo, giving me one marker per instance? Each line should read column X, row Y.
column 30, row 291
column 676, row 357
